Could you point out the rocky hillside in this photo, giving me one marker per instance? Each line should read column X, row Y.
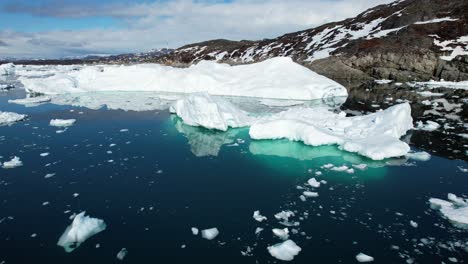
column 405, row 40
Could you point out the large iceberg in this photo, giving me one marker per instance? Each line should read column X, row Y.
column 82, row 228
column 376, row 135
column 455, row 209
column 279, row 78
column 201, row 109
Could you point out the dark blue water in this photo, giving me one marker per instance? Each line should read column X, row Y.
column 163, row 177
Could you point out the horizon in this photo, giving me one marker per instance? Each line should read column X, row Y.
column 53, row 29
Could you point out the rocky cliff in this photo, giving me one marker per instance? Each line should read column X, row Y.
column 405, row 40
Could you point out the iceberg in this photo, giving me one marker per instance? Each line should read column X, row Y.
column 62, row 122
column 455, row 209
column 201, row 109
column 376, row 136
column 7, row 118
column 276, row 78
column 13, row 163
column 210, row 234
column 285, row 251
column 82, row 228
column 361, row 257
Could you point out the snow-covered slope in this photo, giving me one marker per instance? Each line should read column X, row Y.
column 279, row 78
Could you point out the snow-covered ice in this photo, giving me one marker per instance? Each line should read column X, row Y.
column 7, row 118
column 285, row 251
column 361, row 257
column 13, row 163
column 210, row 233
column 7, row 69
column 455, row 209
column 62, row 122
column 376, row 135
column 82, row 228
column 201, row 109
column 267, row 79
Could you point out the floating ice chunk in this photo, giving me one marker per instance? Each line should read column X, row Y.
column 310, row 194
column 313, row 182
column 258, row 230
column 13, row 163
column 45, row 154
column 284, row 215
column 361, row 257
column 375, row 135
column 413, row 224
column 124, row 130
column 429, row 126
column 266, row 79
column 201, row 109
column 49, row 175
column 360, row 166
column 421, row 156
column 281, row 233
column 7, row 118
column 62, row 122
column 285, row 251
column 122, row 254
column 383, row 81
column 82, row 228
column 31, row 101
column 194, row 231
column 258, row 217
column 210, row 233
column 455, row 209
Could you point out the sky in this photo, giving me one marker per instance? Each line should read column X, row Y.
column 66, row 28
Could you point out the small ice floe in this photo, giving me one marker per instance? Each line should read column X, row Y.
column 313, row 182
column 258, row 217
column 310, row 194
column 45, row 154
column 281, row 233
column 429, row 126
column 13, row 163
column 122, row 254
column 8, row 118
column 82, row 228
column 194, row 231
column 421, row 156
column 285, row 251
column 210, row 233
column 360, row 166
column 258, row 230
column 284, row 215
column 361, row 257
column 413, row 224
column 31, row 101
column 455, row 209
column 124, row 130
column 62, row 122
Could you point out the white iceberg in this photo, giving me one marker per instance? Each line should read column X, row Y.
column 7, row 69
column 7, row 118
column 376, row 135
column 82, row 228
column 285, row 251
column 361, row 257
column 201, row 109
column 62, row 122
column 455, row 209
column 279, row 78
column 210, row 234
column 13, row 163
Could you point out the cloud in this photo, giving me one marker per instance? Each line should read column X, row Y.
column 173, row 23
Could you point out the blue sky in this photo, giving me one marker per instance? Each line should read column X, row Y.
column 58, row 28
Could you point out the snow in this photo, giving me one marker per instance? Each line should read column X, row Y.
column 361, row 257
column 455, row 209
column 7, row 69
column 285, row 251
column 13, row 163
column 375, row 135
column 266, row 79
column 62, row 122
column 210, row 234
column 82, row 228
column 258, row 217
column 436, row 20
column 7, row 118
column 201, row 109
column 281, row 233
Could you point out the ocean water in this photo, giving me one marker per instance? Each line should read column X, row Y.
column 161, row 178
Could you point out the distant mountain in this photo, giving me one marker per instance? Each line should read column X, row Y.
column 405, row 40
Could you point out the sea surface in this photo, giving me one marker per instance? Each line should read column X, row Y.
column 152, row 178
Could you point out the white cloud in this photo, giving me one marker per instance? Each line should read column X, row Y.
column 179, row 22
